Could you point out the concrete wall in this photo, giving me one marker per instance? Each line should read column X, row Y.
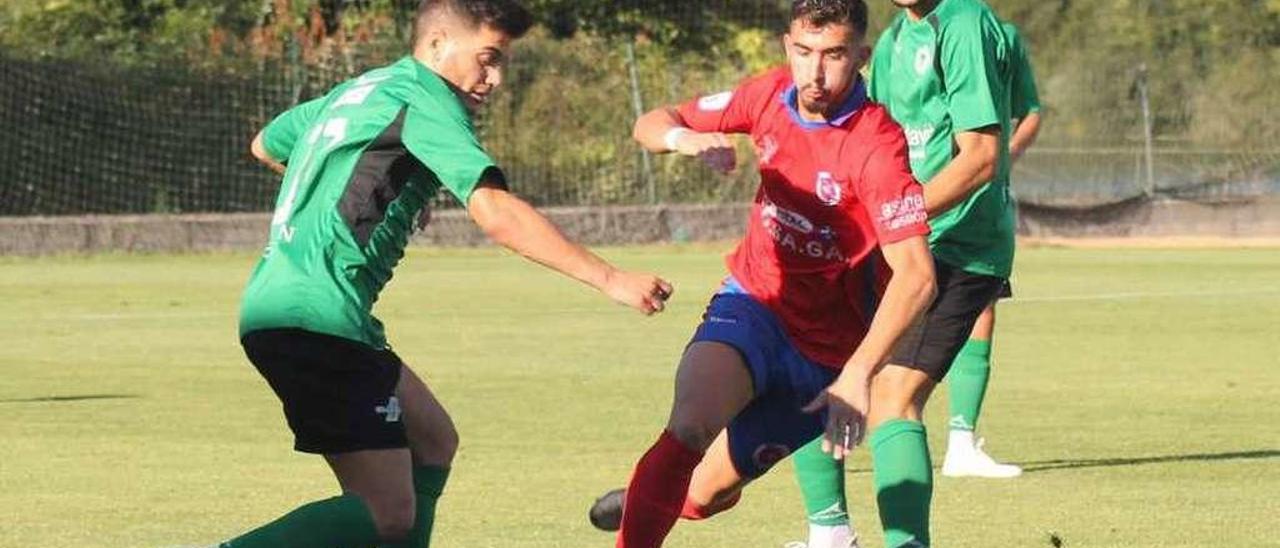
column 248, row 231
column 613, row 225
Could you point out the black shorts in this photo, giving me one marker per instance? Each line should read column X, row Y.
column 931, row 344
column 1006, row 290
column 338, row 394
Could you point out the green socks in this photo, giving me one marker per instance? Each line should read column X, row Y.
column 904, row 482
column 968, row 382
column 821, row 480
column 428, row 485
column 346, row 521
column 339, row 521
column 903, row 478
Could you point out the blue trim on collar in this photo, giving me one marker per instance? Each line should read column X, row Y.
column 852, row 104
column 730, row 286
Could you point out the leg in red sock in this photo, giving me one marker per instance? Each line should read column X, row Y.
column 656, row 492
column 712, row 386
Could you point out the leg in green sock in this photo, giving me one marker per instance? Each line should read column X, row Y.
column 339, row 521
column 428, row 485
column 968, row 380
column 821, row 480
column 904, row 482
column 432, row 439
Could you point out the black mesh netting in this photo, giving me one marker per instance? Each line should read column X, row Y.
column 89, row 138
column 79, row 138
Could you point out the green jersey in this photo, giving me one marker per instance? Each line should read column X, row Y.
column 363, row 160
column 1024, row 97
column 941, row 75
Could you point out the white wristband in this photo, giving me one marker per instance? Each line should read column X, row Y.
column 673, row 136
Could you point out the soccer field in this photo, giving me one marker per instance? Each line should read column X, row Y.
column 1139, row 389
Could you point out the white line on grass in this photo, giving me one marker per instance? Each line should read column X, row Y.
column 135, row 316
column 1047, row 299
column 1142, row 295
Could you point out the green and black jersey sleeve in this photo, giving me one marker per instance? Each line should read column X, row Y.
column 280, row 136
column 446, row 144
column 974, row 71
column 1024, row 94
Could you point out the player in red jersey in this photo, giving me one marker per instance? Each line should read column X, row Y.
column 789, row 345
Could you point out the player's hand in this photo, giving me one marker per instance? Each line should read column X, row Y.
column 846, row 402
column 644, row 292
column 714, row 149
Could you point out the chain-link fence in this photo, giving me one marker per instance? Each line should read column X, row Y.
column 80, row 138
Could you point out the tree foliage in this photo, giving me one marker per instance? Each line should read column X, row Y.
column 680, row 23
column 1209, row 65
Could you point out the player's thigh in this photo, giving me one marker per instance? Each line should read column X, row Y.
column 712, row 385
column 899, row 392
column 984, row 329
column 775, row 424
column 931, row 344
column 432, row 436
column 986, row 324
column 716, row 480
column 338, row 395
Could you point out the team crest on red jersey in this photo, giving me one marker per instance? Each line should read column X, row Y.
column 827, row 189
column 768, row 149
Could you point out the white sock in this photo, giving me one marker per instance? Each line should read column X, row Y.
column 960, row 440
column 829, row 536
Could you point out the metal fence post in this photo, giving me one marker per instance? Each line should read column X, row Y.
column 1148, row 134
column 637, row 104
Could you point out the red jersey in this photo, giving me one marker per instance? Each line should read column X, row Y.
column 830, row 194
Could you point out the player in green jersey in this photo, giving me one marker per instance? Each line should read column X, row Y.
column 1024, row 96
column 822, row 480
column 971, row 370
column 362, row 162
column 942, row 68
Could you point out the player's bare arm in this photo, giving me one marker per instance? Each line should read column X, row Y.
column 1025, row 134
column 909, row 292
column 259, row 152
column 973, row 166
column 514, row 224
column 662, row 130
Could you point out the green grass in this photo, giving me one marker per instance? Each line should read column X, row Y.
column 1139, row 389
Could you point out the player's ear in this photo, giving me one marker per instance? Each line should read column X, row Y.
column 861, row 54
column 437, row 43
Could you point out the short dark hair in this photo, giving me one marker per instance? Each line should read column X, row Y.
column 507, row 16
column 820, row 13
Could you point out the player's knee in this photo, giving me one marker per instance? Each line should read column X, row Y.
column 898, row 393
column 394, row 517
column 443, row 444
column 449, row 442
column 692, row 434
column 434, row 446
column 891, row 405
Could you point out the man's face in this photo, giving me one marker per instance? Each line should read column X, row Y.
column 824, row 62
column 471, row 60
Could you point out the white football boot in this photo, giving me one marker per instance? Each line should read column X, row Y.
column 966, row 458
column 850, row 542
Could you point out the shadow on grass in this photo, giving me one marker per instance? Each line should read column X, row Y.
column 1066, row 464
column 63, row 399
